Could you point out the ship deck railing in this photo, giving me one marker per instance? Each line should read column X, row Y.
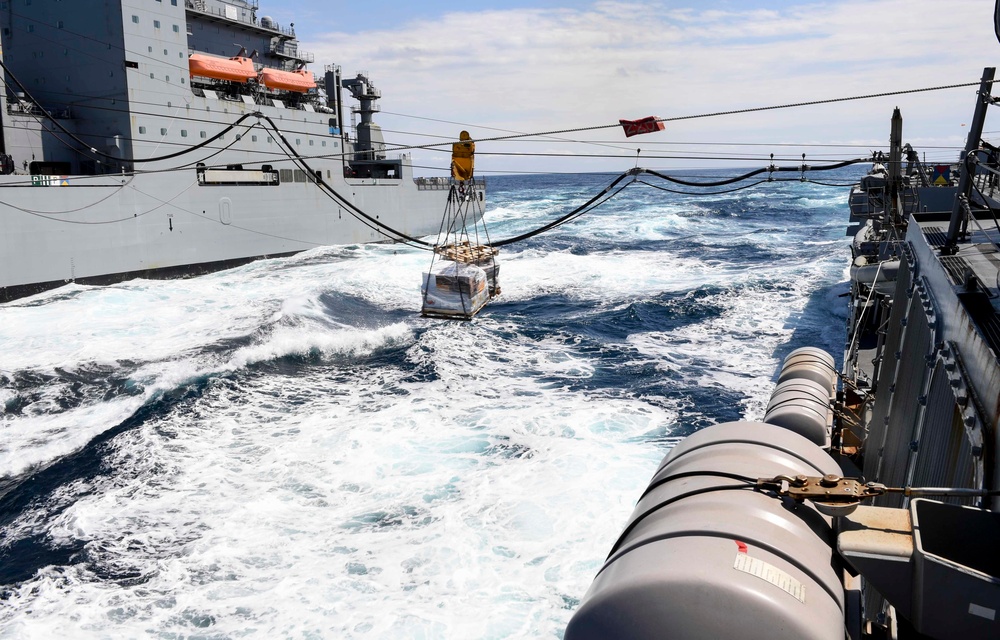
column 201, row 8
column 441, row 183
column 291, row 51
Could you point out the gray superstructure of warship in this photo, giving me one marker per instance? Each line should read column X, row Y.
column 865, row 504
column 155, row 138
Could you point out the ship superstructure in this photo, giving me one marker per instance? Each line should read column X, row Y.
column 160, row 137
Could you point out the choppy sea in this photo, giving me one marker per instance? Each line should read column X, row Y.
column 288, row 450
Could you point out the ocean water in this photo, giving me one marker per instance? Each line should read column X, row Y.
column 287, row 450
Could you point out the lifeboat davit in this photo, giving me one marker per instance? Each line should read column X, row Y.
column 300, row 80
column 238, row 69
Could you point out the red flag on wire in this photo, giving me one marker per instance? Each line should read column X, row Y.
column 642, row 125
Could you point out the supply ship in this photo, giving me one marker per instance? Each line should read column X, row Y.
column 866, row 503
column 157, row 138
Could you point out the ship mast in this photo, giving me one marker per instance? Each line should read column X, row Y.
column 370, row 145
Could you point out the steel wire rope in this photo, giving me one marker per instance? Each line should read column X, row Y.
column 711, row 193
column 648, row 156
column 588, row 206
column 326, row 188
column 993, row 213
column 46, row 214
column 663, row 142
column 342, row 154
column 525, row 154
column 637, row 171
column 617, row 550
column 833, row 184
column 572, row 130
column 790, row 105
column 747, row 486
column 756, row 172
column 94, row 151
column 216, row 221
column 85, row 36
column 188, row 165
column 162, row 203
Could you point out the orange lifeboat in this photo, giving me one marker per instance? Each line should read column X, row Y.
column 300, row 80
column 238, row 69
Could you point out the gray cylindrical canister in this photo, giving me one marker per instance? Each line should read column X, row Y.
column 811, row 363
column 802, row 405
column 704, row 556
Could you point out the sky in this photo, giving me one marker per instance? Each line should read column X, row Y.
column 537, row 66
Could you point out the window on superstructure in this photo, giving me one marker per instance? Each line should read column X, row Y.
column 59, row 24
column 173, row 2
column 253, row 138
column 142, row 130
column 298, row 141
column 156, row 24
column 177, row 29
column 135, row 19
column 184, row 133
column 310, row 143
column 168, row 78
column 31, row 28
column 322, row 143
column 163, row 131
column 203, row 134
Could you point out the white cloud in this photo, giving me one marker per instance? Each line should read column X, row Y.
column 547, row 69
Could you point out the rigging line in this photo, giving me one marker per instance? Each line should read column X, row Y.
column 572, row 214
column 330, row 192
column 216, row 220
column 102, row 222
column 178, row 167
column 83, row 36
column 861, row 316
column 993, row 213
column 832, row 184
column 105, row 155
column 200, row 120
column 741, row 158
column 731, row 112
column 612, row 144
column 45, row 214
column 756, row 172
column 711, row 193
column 211, row 155
column 615, row 143
column 352, row 209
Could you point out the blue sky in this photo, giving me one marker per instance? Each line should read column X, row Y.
column 544, row 65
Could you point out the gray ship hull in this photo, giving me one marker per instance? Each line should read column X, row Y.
column 136, row 150
column 102, row 229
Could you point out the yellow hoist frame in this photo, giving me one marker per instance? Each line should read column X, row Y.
column 463, row 157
